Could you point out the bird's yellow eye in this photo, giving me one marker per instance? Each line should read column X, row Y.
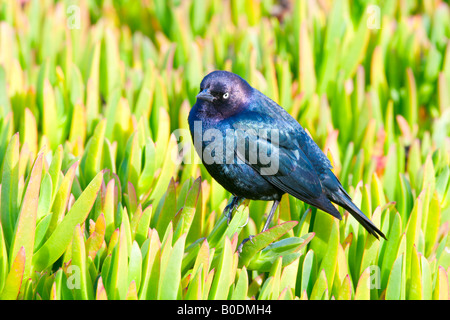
column 226, row 95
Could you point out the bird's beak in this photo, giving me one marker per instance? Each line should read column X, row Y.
column 205, row 95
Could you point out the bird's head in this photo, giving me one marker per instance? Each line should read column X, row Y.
column 223, row 93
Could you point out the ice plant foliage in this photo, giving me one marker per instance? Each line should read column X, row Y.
column 99, row 201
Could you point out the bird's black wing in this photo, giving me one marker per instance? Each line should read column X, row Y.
column 273, row 151
column 332, row 189
column 309, row 147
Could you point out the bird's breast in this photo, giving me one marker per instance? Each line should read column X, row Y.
column 215, row 143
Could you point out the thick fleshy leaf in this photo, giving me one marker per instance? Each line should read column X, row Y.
column 54, row 247
column 262, row 240
column 9, row 191
column 95, row 240
column 441, row 287
column 240, row 290
column 150, row 267
column 320, row 289
column 13, row 282
column 222, row 279
column 345, row 291
column 83, row 285
column 91, row 160
column 363, row 287
column 287, row 248
column 135, row 265
column 61, row 199
column 188, row 211
column 117, row 279
column 25, row 230
column 329, row 261
column 397, row 280
column 171, row 276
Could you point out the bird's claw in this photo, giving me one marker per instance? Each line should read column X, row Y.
column 239, row 248
column 246, row 222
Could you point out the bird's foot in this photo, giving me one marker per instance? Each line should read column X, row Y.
column 239, row 248
column 228, row 211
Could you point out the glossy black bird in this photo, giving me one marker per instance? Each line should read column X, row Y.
column 228, row 107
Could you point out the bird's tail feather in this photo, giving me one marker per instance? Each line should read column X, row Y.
column 324, row 204
column 346, row 202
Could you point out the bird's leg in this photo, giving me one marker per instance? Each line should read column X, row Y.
column 270, row 216
column 266, row 225
column 228, row 211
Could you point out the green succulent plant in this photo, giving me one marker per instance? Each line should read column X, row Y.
column 97, row 202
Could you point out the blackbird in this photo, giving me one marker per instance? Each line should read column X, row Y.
column 256, row 150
